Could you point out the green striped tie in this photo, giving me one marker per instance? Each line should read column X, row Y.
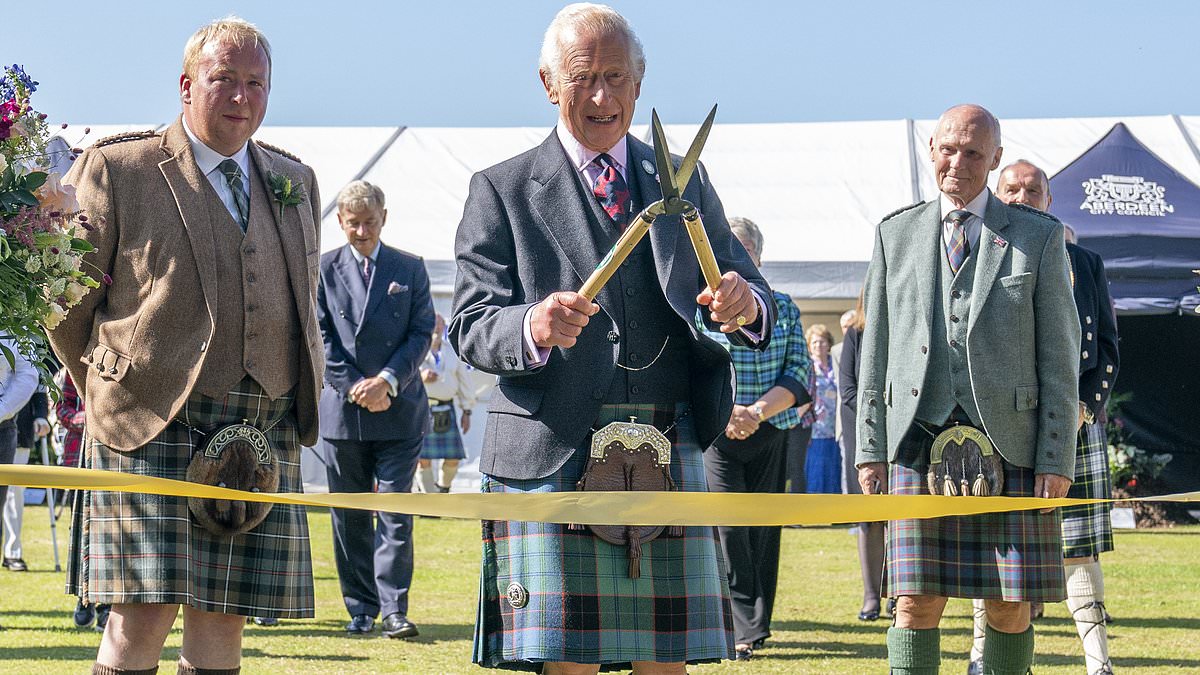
column 233, row 176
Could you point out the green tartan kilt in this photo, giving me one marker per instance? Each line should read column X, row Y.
column 135, row 548
column 582, row 605
column 1087, row 528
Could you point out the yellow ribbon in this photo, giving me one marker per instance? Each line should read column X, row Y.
column 607, row 508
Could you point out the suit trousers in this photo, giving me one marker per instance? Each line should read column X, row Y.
column 796, row 450
column 8, row 449
column 374, row 559
column 756, row 464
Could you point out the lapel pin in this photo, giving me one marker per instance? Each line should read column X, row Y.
column 997, row 240
column 648, row 166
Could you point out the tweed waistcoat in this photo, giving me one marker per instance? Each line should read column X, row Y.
column 645, row 324
column 257, row 329
column 947, row 379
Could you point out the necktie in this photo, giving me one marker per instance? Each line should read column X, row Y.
column 958, row 248
column 612, row 191
column 233, row 177
column 366, row 272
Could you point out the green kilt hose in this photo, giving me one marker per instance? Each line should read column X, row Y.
column 137, row 548
column 1014, row 556
column 1087, row 528
column 582, row 607
column 444, row 444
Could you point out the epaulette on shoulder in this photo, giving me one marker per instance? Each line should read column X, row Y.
column 127, row 136
column 897, row 212
column 278, row 151
column 1030, row 209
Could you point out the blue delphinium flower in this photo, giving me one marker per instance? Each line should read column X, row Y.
column 13, row 76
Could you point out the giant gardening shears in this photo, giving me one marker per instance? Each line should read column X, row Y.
column 673, row 183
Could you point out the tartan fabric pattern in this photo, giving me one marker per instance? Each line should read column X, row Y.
column 445, row 444
column 583, row 607
column 136, row 548
column 786, row 357
column 957, row 249
column 612, row 191
column 1087, row 528
column 1015, row 556
column 233, row 177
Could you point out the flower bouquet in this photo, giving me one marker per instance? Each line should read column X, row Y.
column 41, row 259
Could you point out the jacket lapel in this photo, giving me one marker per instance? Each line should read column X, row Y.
column 188, row 187
column 929, row 252
column 664, row 234
column 346, row 267
column 288, row 224
column 385, row 268
column 992, row 248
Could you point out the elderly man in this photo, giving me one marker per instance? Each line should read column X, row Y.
column 1086, row 529
column 533, row 228
column 971, row 331
column 212, row 245
column 376, row 316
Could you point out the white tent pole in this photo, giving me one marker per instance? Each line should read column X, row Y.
column 1187, row 138
column 332, row 205
column 911, row 129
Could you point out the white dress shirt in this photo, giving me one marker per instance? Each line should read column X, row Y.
column 973, row 225
column 208, row 160
column 17, row 383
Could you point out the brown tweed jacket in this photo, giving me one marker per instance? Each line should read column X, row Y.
column 136, row 348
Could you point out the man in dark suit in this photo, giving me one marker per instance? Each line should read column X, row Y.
column 971, row 324
column 375, row 312
column 534, row 227
column 212, row 243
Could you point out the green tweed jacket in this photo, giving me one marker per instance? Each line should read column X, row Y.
column 1022, row 335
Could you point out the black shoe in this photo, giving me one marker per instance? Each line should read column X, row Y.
column 266, row 621
column 868, row 615
column 84, row 615
column 397, row 626
column 891, row 607
column 360, row 624
column 743, row 653
column 15, row 565
column 443, row 489
column 758, row 644
column 102, row 612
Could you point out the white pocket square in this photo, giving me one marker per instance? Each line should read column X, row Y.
column 395, row 288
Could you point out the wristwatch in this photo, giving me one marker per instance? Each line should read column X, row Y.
column 758, row 411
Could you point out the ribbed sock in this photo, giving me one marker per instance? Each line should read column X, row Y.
column 1085, row 600
column 193, row 670
column 1008, row 653
column 914, row 651
column 446, row 473
column 98, row 669
column 428, row 484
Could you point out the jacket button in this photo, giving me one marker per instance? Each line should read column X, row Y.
column 871, row 401
column 613, row 337
column 388, row 343
column 1053, row 434
column 395, row 315
column 633, row 324
column 597, row 393
column 629, row 292
column 1085, row 353
column 250, row 278
column 954, row 343
column 1051, row 415
column 954, row 318
column 870, row 421
column 956, row 294
column 249, row 365
column 924, row 349
column 510, row 360
column 635, row 389
column 915, row 392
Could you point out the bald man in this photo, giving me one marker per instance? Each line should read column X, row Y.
column 972, row 325
column 1086, row 529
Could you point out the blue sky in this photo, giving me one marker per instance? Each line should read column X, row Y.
column 473, row 63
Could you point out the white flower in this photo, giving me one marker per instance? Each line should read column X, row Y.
column 74, row 292
column 53, row 316
column 3, row 162
column 33, row 264
column 57, row 287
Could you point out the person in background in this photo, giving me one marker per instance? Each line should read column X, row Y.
column 32, row 426
column 18, row 381
column 823, row 462
column 1087, row 528
column 870, row 535
column 448, row 381
column 771, row 395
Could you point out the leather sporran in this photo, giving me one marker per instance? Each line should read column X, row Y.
column 239, row 457
column 442, row 413
column 627, row 456
column 963, row 462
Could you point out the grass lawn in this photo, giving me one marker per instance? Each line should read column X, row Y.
column 1151, row 582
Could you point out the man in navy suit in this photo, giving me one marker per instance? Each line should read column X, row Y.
column 377, row 318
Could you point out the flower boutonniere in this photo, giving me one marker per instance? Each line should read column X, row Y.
column 285, row 191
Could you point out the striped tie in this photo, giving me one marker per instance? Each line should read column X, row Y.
column 958, row 248
column 233, row 177
column 612, row 191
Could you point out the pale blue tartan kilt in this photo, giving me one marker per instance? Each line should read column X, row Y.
column 583, row 607
column 1087, row 528
column 444, row 444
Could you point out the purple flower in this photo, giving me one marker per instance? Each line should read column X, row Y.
column 107, row 279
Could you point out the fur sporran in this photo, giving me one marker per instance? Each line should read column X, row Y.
column 963, row 462
column 443, row 415
column 239, row 457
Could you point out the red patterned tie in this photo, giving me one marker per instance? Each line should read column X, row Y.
column 612, row 191
column 366, row 272
column 958, row 248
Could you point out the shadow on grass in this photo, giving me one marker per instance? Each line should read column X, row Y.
column 430, row 632
column 88, row 654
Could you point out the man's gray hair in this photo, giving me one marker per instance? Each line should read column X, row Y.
column 745, row 228
column 977, row 111
column 585, row 18
column 232, row 29
column 360, row 195
column 1025, row 162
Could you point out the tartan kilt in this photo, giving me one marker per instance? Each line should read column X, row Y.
column 582, row 605
column 137, row 548
column 1087, row 528
column 1014, row 556
column 444, row 444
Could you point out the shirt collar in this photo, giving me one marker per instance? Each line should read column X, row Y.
column 358, row 257
column 977, row 206
column 581, row 156
column 208, row 159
